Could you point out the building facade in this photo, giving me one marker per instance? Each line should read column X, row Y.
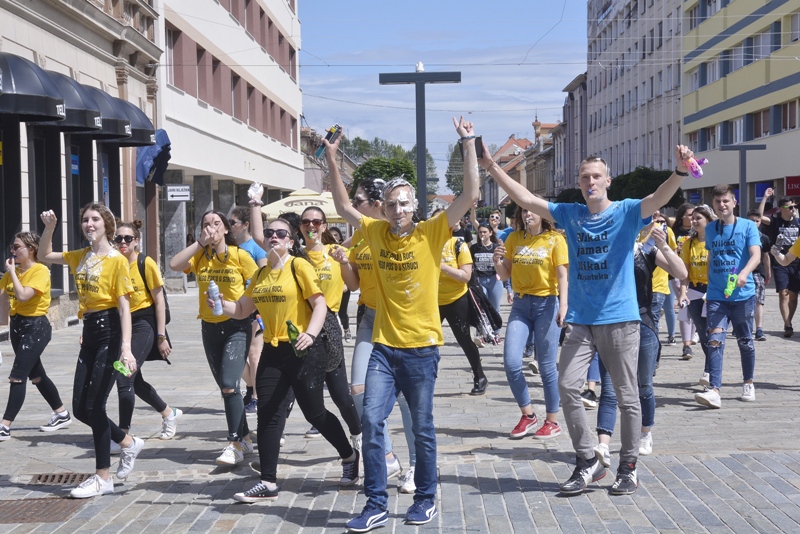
column 574, row 148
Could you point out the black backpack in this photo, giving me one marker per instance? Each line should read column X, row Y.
column 140, row 262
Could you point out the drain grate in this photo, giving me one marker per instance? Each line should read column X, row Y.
column 38, row 510
column 59, row 479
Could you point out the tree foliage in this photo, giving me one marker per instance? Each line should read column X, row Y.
column 454, row 175
column 430, row 174
column 639, row 183
column 386, row 168
column 570, row 196
column 360, row 149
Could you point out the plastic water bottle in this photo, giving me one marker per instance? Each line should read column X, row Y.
column 213, row 294
column 648, row 245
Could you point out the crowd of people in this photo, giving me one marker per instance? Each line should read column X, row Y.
column 587, row 283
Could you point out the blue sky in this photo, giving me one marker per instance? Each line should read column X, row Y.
column 506, row 75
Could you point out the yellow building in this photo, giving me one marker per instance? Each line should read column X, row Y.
column 741, row 85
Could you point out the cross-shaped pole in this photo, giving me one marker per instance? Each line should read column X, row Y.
column 742, row 149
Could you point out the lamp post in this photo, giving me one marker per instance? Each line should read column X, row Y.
column 420, row 78
column 742, row 149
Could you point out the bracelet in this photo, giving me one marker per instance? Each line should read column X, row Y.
column 161, row 336
column 467, row 138
column 680, row 173
column 312, row 336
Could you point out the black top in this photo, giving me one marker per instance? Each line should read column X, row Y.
column 764, row 248
column 783, row 233
column 464, row 234
column 483, row 259
column 643, row 267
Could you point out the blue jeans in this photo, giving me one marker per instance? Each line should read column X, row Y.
column 740, row 314
column 411, row 372
column 405, row 413
column 593, row 374
column 669, row 313
column 607, row 408
column 537, row 315
column 493, row 288
column 701, row 325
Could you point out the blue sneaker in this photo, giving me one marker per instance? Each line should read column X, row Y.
column 421, row 512
column 371, row 517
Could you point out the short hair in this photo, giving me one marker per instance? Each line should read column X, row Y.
column 754, row 213
column 784, row 200
column 721, row 190
column 373, row 188
column 396, row 183
column 595, row 159
column 242, row 213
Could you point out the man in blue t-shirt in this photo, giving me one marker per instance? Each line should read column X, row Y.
column 603, row 314
column 734, row 249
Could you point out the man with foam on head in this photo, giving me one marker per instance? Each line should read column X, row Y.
column 407, row 331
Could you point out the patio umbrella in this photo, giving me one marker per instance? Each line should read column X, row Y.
column 302, row 199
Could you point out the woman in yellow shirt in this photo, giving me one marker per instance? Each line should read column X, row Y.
column 215, row 256
column 25, row 291
column 287, row 291
column 148, row 318
column 104, row 288
column 535, row 258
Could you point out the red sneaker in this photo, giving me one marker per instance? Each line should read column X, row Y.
column 549, row 430
column 525, row 424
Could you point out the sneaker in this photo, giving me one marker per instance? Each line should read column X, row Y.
column 128, row 456
column 479, row 387
column 533, row 366
column 586, row 472
column 748, row 392
column 170, row 424
column 478, row 342
column 695, row 338
column 393, row 468
column 709, row 398
column 421, row 512
column 259, row 492
column 627, row 481
column 549, row 430
column 760, row 335
column 312, row 433
column 671, row 341
column 355, row 441
column 93, row 486
column 705, row 380
column 687, row 354
column 788, row 331
column 589, row 398
column 251, row 407
column 283, row 440
column 371, row 517
column 231, row 455
column 347, row 335
column 56, row 422
column 528, row 352
column 5, row 433
column 350, row 471
column 602, row 454
column 248, row 447
column 646, row 444
column 524, row 425
column 116, row 450
column 407, row 481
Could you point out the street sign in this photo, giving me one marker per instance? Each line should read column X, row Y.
column 179, row 193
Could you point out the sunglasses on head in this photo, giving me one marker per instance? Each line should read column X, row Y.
column 120, row 238
column 308, row 222
column 281, row 233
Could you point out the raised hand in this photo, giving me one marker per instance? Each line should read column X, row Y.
column 49, row 219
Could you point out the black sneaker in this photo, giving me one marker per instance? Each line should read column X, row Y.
column 671, row 341
column 586, row 472
column 589, row 399
column 5, row 433
column 788, row 331
column 480, row 386
column 687, row 354
column 350, row 471
column 627, row 481
column 259, row 492
column 56, row 422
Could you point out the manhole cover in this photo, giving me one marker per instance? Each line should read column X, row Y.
column 38, row 510
column 59, row 479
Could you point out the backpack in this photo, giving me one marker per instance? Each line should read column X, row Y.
column 140, row 262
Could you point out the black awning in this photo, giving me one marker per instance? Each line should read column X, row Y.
column 83, row 114
column 27, row 91
column 114, row 123
column 143, row 133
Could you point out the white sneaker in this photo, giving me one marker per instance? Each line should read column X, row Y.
column 603, row 454
column 127, row 457
column 170, row 424
column 393, row 468
column 93, row 486
column 478, row 342
column 406, row 484
column 748, row 392
column 231, row 455
column 356, row 441
column 646, row 444
column 115, row 448
column 705, row 380
column 248, row 447
column 709, row 398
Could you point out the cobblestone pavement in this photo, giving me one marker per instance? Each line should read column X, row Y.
column 731, row 470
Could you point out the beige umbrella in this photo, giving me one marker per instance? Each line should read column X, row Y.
column 302, row 199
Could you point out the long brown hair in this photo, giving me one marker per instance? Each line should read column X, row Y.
column 109, row 221
column 30, row 240
column 520, row 223
column 229, row 240
column 326, row 236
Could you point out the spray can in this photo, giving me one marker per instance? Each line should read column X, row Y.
column 213, row 294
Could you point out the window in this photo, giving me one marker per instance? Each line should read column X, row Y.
column 629, row 102
column 660, row 34
column 794, row 34
column 737, row 57
column 738, row 130
column 652, row 40
column 761, row 123
column 762, row 43
column 660, row 83
column 635, row 97
column 712, row 6
column 712, row 135
column 789, row 116
column 652, row 89
column 712, row 71
column 694, row 17
column 692, row 140
column 694, row 80
column 669, row 27
column 669, row 78
column 170, row 56
column 644, row 48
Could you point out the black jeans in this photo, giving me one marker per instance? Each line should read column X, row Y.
column 128, row 388
column 457, row 315
column 226, row 345
column 280, row 372
column 339, row 390
column 343, row 317
column 29, row 337
column 94, row 378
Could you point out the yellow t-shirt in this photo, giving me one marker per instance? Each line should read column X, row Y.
column 329, row 272
column 695, row 256
column 361, row 256
column 450, row 289
column 38, row 279
column 534, row 259
column 660, row 276
column 407, row 315
column 276, row 296
column 141, row 298
column 99, row 280
column 229, row 271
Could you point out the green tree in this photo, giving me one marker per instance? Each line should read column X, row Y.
column 430, row 174
column 454, row 175
column 386, row 168
column 570, row 195
column 639, row 183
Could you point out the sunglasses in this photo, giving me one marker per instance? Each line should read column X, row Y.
column 495, row 217
column 660, row 221
column 120, row 238
column 309, row 222
column 269, row 232
column 789, row 207
column 358, row 201
column 15, row 248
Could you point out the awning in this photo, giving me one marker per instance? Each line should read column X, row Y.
column 114, row 123
column 143, row 133
column 152, row 161
column 82, row 111
column 27, row 91
column 302, row 199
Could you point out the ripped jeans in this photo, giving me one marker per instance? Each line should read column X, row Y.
column 740, row 314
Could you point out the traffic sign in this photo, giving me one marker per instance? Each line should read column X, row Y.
column 179, row 193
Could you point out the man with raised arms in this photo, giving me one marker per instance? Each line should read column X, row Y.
column 603, row 314
column 406, row 257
